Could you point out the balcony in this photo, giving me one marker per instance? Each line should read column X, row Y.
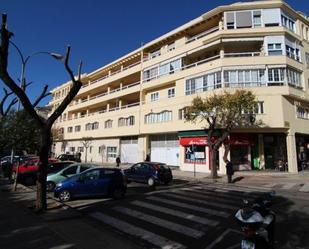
column 203, row 34
column 118, row 108
column 111, row 74
column 97, row 97
column 242, row 54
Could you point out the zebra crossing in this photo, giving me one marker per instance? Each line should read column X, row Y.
column 290, row 186
column 186, row 217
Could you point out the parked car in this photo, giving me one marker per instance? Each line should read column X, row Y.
column 93, row 182
column 76, row 168
column 151, row 173
column 29, row 177
column 69, row 157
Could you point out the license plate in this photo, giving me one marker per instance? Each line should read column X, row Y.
column 246, row 244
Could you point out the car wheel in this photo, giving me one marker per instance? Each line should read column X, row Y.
column 151, row 182
column 64, row 196
column 50, row 186
column 118, row 193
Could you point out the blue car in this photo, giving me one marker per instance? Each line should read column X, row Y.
column 93, row 182
column 151, row 173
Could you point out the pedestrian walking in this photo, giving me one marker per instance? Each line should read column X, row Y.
column 147, row 158
column 118, row 161
column 229, row 170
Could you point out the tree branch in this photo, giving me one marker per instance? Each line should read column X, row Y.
column 42, row 96
column 13, row 102
column 76, row 85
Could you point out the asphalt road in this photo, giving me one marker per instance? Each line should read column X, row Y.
column 193, row 215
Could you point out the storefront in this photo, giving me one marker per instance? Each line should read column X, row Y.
column 302, row 150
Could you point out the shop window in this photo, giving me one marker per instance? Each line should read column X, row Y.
column 195, row 154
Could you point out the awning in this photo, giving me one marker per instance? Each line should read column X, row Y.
column 241, row 139
column 185, row 141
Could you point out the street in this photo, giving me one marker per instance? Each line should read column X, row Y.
column 185, row 214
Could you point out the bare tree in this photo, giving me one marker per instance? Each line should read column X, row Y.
column 44, row 124
column 4, row 110
column 86, row 142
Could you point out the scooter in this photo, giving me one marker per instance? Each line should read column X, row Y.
column 257, row 223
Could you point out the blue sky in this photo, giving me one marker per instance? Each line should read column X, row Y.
column 98, row 31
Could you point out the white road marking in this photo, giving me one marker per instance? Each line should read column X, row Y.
column 176, row 213
column 211, row 211
column 270, row 185
column 304, row 188
column 127, row 228
column 287, row 186
column 161, row 222
column 210, row 201
column 189, row 206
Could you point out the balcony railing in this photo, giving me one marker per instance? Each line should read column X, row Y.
column 199, row 36
column 111, row 74
column 110, row 92
column 117, row 108
column 242, row 54
column 195, row 64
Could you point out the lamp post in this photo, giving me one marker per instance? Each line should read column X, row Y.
column 24, row 61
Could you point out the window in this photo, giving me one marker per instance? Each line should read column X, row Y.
column 161, row 117
column 274, row 49
column 77, row 128
column 111, row 152
column 230, row 20
column 203, row 83
column 155, row 53
column 61, row 131
column 70, row 129
column 108, row 124
column 171, row 46
column 72, row 149
column 191, row 151
column 259, row 107
column 288, row 23
column 150, row 74
column 182, row 113
column 257, row 20
column 92, row 175
column 293, row 53
column 171, row 93
column 170, row 67
column 95, row 125
column 129, row 121
column 88, row 126
column 293, row 77
column 154, row 97
column 80, row 149
column 70, row 171
column 276, row 76
column 301, row 112
column 90, row 149
column 246, row 77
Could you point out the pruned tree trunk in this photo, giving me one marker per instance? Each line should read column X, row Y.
column 213, row 163
column 41, row 203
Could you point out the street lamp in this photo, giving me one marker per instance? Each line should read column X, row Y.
column 24, row 61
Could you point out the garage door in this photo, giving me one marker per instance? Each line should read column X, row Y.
column 129, row 150
column 165, row 149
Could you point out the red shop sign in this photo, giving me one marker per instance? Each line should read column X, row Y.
column 185, row 141
column 241, row 139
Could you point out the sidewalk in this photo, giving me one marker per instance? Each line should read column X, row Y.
column 59, row 228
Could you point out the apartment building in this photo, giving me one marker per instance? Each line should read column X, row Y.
column 136, row 105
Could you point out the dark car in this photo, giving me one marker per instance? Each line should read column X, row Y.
column 151, row 173
column 93, row 182
column 29, row 177
column 69, row 157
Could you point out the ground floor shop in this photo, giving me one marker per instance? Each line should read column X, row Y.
column 189, row 150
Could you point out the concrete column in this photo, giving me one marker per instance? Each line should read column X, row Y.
column 109, row 72
column 120, row 103
column 108, row 89
column 120, row 86
column 107, row 107
column 221, row 52
column 143, row 148
column 121, row 68
column 87, row 112
column 222, row 168
column 261, row 151
column 221, row 25
column 292, row 155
